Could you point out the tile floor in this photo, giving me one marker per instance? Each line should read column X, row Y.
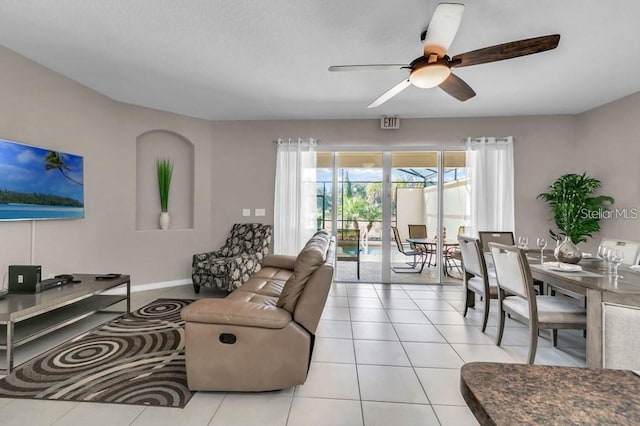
column 385, row 355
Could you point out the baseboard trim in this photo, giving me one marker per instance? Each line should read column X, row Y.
column 150, row 286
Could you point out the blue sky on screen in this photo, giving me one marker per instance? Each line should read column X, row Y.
column 22, row 169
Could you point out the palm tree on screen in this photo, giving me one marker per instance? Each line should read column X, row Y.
column 55, row 161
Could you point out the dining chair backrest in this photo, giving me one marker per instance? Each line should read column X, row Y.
column 472, row 257
column 396, row 236
column 620, row 336
column 500, row 237
column 512, row 271
column 417, row 231
column 630, row 249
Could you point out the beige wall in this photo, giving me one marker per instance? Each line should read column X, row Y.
column 234, row 168
column 608, row 143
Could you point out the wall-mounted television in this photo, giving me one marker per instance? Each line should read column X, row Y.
column 39, row 183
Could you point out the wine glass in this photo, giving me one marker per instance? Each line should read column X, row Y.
column 522, row 242
column 600, row 255
column 616, row 257
column 542, row 244
column 607, row 252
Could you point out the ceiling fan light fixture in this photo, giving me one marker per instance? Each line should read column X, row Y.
column 429, row 76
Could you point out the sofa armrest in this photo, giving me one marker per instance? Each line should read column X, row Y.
column 233, row 312
column 200, row 257
column 280, row 261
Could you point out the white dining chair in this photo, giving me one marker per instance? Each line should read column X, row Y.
column 476, row 279
column 620, row 336
column 517, row 297
column 630, row 249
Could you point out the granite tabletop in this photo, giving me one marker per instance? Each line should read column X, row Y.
column 522, row 394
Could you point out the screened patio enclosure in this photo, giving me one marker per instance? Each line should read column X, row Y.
column 371, row 192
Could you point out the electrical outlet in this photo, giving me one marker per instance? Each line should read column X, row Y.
column 260, row 212
column 246, row 212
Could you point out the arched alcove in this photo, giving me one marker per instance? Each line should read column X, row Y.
column 150, row 146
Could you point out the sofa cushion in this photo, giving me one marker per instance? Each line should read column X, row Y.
column 309, row 259
column 273, row 274
column 262, row 287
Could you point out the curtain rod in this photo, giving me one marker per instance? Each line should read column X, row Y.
column 484, row 139
column 290, row 140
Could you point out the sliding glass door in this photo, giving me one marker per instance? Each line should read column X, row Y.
column 370, row 199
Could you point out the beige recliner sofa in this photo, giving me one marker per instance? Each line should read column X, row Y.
column 260, row 337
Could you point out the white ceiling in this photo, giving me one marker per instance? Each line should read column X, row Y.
column 268, row 59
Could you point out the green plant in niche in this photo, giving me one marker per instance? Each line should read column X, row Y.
column 164, row 167
column 575, row 209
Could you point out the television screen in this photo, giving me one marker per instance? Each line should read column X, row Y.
column 37, row 183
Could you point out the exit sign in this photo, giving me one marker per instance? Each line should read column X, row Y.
column 390, row 123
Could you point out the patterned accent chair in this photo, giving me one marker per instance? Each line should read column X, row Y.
column 234, row 263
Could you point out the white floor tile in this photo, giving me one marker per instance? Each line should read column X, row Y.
column 464, row 334
column 434, row 355
column 335, row 313
column 434, row 305
column 328, row 380
column 252, row 409
column 392, row 294
column 455, row 416
column 373, row 331
column 486, row 353
column 399, row 304
column 199, row 411
column 446, row 317
column 367, row 314
column 97, row 414
column 338, row 301
column 365, row 302
column 329, row 412
column 333, row 350
column 404, row 316
column 422, row 295
column 21, row 412
column 336, row 329
column 418, row 333
column 385, row 414
column 390, row 384
column 442, row 385
column 380, row 353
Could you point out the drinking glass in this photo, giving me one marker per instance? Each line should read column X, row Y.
column 522, row 242
column 616, row 257
column 600, row 255
column 606, row 256
column 542, row 244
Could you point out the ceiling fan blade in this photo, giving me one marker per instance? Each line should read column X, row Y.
column 390, row 93
column 457, row 88
column 443, row 28
column 372, row 67
column 506, row 51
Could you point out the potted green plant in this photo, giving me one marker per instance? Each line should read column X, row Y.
column 576, row 212
column 164, row 168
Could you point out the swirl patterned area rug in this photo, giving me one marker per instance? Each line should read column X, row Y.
column 136, row 359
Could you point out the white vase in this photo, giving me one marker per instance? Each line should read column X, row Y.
column 164, row 220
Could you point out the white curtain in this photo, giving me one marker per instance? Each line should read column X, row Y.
column 294, row 211
column 491, row 187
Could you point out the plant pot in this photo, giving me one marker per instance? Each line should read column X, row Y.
column 567, row 252
column 164, row 220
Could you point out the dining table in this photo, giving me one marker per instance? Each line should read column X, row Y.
column 430, row 246
column 524, row 394
column 593, row 282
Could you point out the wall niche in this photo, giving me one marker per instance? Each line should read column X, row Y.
column 150, row 146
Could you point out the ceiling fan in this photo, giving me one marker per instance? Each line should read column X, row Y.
column 433, row 68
